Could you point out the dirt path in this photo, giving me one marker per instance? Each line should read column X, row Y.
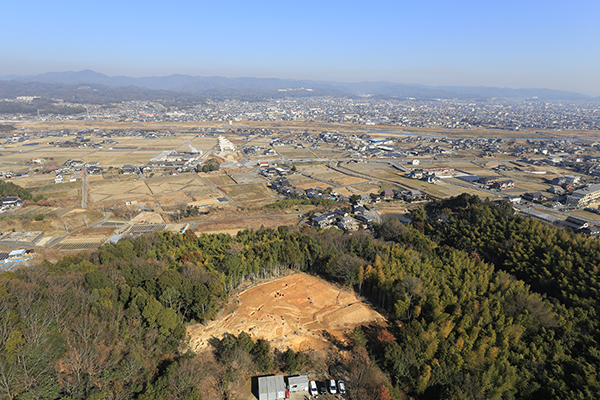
column 297, row 311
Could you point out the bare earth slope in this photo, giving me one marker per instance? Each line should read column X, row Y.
column 297, row 311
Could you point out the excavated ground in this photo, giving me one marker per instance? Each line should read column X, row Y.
column 297, row 311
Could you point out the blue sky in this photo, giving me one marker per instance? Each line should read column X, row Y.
column 518, row 44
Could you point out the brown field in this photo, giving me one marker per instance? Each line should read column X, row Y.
column 90, row 237
column 380, row 170
column 297, row 311
column 290, row 152
column 303, row 126
column 35, row 181
column 250, row 195
column 70, row 197
column 117, row 191
column 313, row 169
column 58, row 154
column 146, row 149
column 476, row 170
column 308, row 183
column 118, row 158
column 172, row 201
column 349, row 180
column 148, row 218
column 347, row 191
column 323, row 152
column 92, row 232
column 219, row 180
column 233, row 226
column 53, row 223
column 322, row 172
column 367, row 187
column 178, row 183
column 165, row 190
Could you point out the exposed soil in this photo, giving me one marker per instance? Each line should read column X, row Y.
column 297, row 311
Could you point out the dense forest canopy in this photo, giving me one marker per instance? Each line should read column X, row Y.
column 484, row 305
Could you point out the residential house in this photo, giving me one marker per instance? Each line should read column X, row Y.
column 502, row 185
column 11, row 202
column 575, row 223
column 387, row 194
column 534, row 196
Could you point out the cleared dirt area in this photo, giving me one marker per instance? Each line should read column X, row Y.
column 297, row 311
column 148, row 218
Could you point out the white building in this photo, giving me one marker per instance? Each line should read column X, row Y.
column 583, row 197
column 225, row 144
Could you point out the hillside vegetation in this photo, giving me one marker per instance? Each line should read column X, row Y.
column 8, row 189
column 111, row 324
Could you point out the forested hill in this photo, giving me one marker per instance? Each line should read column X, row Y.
column 9, row 189
column 559, row 265
column 111, row 324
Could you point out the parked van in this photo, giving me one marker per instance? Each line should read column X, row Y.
column 312, row 388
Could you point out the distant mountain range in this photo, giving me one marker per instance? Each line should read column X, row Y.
column 195, row 88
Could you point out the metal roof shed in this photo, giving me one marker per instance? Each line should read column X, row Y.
column 17, row 253
column 297, row 383
column 271, row 387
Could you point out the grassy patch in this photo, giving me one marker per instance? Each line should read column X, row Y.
column 288, row 203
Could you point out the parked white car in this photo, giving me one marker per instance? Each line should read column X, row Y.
column 341, row 386
column 332, row 387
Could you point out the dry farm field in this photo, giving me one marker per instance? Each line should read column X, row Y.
column 233, row 226
column 250, row 195
column 218, row 179
column 108, row 191
column 187, row 183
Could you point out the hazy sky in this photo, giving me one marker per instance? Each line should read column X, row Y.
column 518, row 44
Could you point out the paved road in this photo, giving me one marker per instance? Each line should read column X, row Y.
column 84, row 189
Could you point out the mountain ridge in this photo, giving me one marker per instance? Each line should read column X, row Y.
column 248, row 88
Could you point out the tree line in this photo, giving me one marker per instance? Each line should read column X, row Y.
column 482, row 305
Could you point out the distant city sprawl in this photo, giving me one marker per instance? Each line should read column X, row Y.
column 438, row 113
